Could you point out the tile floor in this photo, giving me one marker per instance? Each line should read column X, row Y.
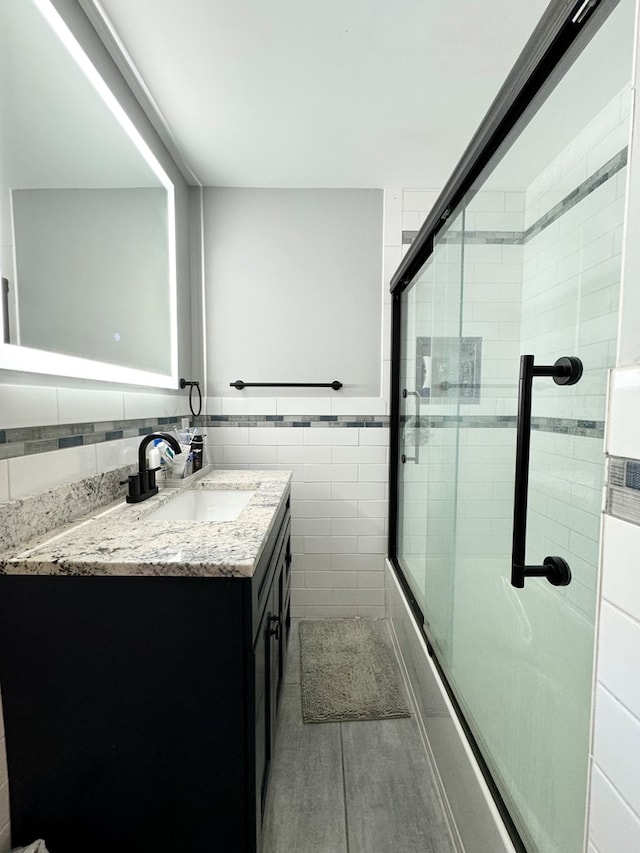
column 363, row 787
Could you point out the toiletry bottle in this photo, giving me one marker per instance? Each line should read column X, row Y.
column 197, row 448
column 153, row 459
column 165, row 450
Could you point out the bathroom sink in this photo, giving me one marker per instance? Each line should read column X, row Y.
column 204, row 505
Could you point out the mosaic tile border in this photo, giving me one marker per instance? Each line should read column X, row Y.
column 518, row 238
column 599, row 177
column 312, row 421
column 24, row 441
column 561, row 426
column 623, row 489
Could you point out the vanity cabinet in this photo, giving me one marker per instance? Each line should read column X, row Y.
column 268, row 661
column 140, row 712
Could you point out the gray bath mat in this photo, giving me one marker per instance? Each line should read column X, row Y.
column 346, row 673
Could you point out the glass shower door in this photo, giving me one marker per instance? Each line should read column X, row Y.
column 537, row 247
column 429, row 407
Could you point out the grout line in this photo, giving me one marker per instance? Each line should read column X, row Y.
column 344, row 791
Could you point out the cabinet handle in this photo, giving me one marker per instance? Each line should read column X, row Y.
column 274, row 631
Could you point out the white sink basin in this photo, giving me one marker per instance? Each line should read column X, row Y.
column 204, row 505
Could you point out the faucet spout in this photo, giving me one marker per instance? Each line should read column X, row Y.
column 146, row 441
column 143, row 484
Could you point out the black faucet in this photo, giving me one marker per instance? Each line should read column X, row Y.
column 143, row 484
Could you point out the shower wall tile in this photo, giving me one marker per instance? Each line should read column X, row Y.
column 117, row 454
column 392, row 220
column 358, row 406
column 79, row 406
column 308, row 405
column 613, row 826
column 620, row 575
column 615, row 803
column 25, row 406
column 573, row 261
column 29, row 475
column 607, row 134
column 619, row 656
column 616, row 737
column 624, row 413
column 410, row 220
column 138, row 405
column 246, row 405
column 419, row 200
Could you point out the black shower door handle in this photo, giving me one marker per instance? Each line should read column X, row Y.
column 416, row 441
column 566, row 371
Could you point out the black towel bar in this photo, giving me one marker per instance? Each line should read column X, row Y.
column 239, row 384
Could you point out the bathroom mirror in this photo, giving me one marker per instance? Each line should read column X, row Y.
column 87, row 216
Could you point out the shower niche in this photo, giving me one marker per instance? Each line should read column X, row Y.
column 449, row 368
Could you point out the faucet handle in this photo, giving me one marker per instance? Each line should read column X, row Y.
column 134, row 485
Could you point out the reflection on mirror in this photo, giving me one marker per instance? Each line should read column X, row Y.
column 87, row 230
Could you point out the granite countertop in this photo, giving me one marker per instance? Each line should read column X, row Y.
column 120, row 539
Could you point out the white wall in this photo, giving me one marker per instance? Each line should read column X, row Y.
column 293, row 287
column 295, row 292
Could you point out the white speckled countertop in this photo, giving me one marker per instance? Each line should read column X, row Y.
column 120, row 539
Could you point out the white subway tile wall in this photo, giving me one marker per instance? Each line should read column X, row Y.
column 339, row 506
column 615, row 779
column 79, row 406
column 31, row 406
column 572, row 271
column 26, row 405
column 624, row 413
column 29, row 475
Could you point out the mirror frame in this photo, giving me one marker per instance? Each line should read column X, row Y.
column 31, row 360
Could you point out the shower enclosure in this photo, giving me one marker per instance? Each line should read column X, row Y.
column 518, row 267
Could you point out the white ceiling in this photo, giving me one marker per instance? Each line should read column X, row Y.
column 343, row 93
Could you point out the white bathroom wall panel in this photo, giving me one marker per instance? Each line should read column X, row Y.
column 293, row 288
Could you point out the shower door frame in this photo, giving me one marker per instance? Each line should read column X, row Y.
column 562, row 33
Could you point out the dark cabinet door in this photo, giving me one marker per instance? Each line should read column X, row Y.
column 262, row 694
column 276, row 648
column 269, row 657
